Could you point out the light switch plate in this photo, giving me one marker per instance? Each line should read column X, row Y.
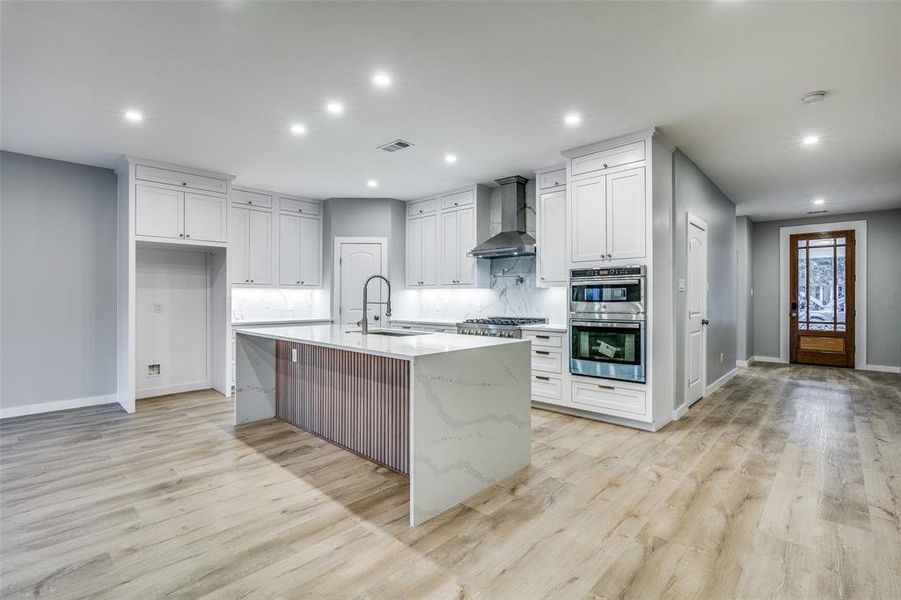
column 158, row 307
column 682, row 285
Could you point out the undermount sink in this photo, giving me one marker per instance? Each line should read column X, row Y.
column 391, row 332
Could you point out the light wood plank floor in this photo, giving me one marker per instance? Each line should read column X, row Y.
column 786, row 483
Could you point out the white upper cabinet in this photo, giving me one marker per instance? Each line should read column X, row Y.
column 299, row 251
column 250, row 241
column 421, row 235
column 552, row 262
column 158, row 212
column 466, row 241
column 450, row 248
column 626, row 214
column 588, row 218
column 205, row 217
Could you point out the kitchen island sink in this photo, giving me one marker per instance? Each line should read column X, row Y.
column 391, row 332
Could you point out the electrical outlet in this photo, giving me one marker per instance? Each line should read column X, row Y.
column 721, row 357
column 153, row 370
column 294, row 355
column 682, row 285
column 158, row 307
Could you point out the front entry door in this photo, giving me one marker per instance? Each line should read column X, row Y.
column 822, row 298
column 357, row 261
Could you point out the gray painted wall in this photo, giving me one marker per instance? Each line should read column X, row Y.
column 365, row 217
column 744, row 256
column 695, row 193
column 883, row 283
column 58, row 237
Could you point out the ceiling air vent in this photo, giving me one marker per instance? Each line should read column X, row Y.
column 396, row 145
column 817, row 212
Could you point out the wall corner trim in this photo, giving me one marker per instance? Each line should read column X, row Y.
column 45, row 407
column 720, row 382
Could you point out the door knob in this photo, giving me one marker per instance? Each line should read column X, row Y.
column 794, row 315
column 705, row 322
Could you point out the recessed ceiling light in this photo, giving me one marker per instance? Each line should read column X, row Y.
column 372, row 183
column 819, row 201
column 572, row 119
column 381, row 79
column 134, row 116
column 450, row 158
column 336, row 108
column 810, row 140
column 298, row 128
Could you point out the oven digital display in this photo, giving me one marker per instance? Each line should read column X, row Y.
column 606, row 293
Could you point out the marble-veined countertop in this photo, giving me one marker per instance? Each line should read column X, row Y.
column 347, row 338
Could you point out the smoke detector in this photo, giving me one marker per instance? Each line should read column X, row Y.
column 813, row 97
column 396, row 145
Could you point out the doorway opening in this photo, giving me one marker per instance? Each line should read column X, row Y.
column 822, row 299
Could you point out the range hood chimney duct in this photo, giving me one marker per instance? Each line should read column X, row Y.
column 513, row 239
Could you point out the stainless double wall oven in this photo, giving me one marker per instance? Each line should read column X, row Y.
column 607, row 323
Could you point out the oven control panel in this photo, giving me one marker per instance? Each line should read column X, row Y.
column 607, row 272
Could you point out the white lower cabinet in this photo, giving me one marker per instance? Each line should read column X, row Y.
column 251, row 246
column 611, row 399
column 546, row 388
column 299, row 250
column 548, row 370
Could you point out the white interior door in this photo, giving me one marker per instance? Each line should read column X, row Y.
column 696, row 300
column 358, row 261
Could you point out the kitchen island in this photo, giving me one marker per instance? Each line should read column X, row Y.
column 451, row 412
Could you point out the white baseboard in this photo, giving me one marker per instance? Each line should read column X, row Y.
column 720, row 382
column 680, row 411
column 44, row 407
column 880, row 368
column 165, row 390
column 744, row 363
column 768, row 359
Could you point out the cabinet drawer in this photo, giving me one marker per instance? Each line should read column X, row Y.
column 547, row 361
column 552, row 179
column 422, row 207
column 607, row 159
column 294, row 205
column 459, row 199
column 249, row 198
column 611, row 399
column 198, row 182
column 544, row 386
column 544, row 340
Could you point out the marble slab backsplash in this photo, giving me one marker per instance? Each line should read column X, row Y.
column 507, row 297
column 255, row 304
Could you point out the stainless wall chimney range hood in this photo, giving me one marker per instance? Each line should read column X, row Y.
column 513, row 239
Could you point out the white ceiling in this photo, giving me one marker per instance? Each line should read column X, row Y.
column 220, row 82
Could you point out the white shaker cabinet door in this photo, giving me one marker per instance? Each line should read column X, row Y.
column 205, row 217
column 237, row 245
column 310, row 252
column 626, row 223
column 289, row 249
column 259, row 246
column 159, row 212
column 588, row 219
column 428, row 274
column 449, row 259
column 466, row 241
column 552, row 268
column 414, row 252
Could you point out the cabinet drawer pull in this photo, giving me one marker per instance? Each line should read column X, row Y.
column 542, row 378
column 606, row 387
column 543, row 337
column 542, row 352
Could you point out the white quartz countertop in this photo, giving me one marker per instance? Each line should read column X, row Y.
column 551, row 327
column 436, row 322
column 407, row 347
column 267, row 322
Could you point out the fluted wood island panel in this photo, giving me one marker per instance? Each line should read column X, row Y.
column 360, row 402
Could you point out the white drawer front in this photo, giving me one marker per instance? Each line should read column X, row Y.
column 545, row 340
column 552, row 179
column 612, row 400
column 198, row 182
column 607, row 159
column 293, row 205
column 251, row 198
column 545, row 386
column 547, row 361
column 423, row 207
column 459, row 199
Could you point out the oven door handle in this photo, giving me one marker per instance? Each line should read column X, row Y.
column 593, row 281
column 610, row 324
